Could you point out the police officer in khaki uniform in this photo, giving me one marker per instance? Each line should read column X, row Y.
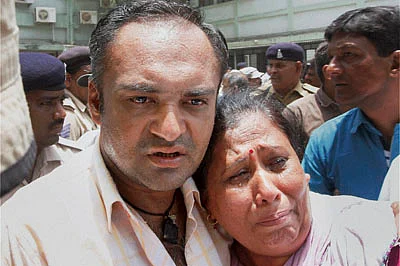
column 285, row 65
column 43, row 78
column 78, row 119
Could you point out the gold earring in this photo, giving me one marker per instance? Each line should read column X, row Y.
column 211, row 221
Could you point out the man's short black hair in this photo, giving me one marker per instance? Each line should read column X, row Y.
column 380, row 25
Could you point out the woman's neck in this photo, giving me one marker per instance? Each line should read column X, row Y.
column 247, row 258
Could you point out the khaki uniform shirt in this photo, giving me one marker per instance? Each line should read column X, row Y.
column 78, row 119
column 299, row 91
column 76, row 216
column 314, row 110
column 53, row 156
column 50, row 158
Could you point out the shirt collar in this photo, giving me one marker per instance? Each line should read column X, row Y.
column 324, row 99
column 299, row 89
column 82, row 107
column 296, row 90
column 110, row 195
column 104, row 182
column 50, row 154
column 360, row 119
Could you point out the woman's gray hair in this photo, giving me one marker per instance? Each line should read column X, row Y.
column 234, row 107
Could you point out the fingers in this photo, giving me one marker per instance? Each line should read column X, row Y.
column 396, row 212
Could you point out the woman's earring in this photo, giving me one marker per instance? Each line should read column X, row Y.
column 212, row 221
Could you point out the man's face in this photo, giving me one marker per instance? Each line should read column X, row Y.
column 311, row 77
column 256, row 82
column 284, row 75
column 159, row 94
column 358, row 72
column 80, row 92
column 47, row 115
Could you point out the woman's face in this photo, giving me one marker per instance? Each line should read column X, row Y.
column 257, row 190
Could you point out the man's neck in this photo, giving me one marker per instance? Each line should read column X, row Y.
column 384, row 123
column 384, row 111
column 159, row 202
column 154, row 207
column 144, row 198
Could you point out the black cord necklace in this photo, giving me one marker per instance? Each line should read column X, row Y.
column 170, row 229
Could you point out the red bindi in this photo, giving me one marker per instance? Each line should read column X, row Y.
column 251, row 151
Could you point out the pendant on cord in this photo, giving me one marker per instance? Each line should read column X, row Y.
column 170, row 229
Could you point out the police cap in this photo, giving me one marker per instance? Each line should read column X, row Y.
column 285, row 51
column 40, row 71
column 75, row 57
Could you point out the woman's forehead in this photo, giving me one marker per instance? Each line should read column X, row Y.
column 250, row 126
column 251, row 130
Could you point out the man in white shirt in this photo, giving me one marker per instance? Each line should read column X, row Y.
column 129, row 198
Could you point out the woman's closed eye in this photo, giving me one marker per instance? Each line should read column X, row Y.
column 278, row 164
column 240, row 178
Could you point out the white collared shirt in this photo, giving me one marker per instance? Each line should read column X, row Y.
column 75, row 216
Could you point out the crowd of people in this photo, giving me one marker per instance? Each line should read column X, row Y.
column 145, row 160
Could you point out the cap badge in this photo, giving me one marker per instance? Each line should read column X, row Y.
column 279, row 54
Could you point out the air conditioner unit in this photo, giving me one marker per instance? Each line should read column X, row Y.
column 45, row 14
column 24, row 1
column 108, row 3
column 88, row 17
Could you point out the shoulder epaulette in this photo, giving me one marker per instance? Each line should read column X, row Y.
column 309, row 88
column 68, row 104
column 69, row 143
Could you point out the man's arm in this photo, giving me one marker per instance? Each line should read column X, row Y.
column 314, row 164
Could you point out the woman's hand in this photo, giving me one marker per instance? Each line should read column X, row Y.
column 396, row 212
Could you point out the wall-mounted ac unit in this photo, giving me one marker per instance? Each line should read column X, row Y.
column 108, row 3
column 24, row 1
column 88, row 17
column 45, row 14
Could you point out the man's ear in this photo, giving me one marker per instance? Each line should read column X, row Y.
column 94, row 102
column 299, row 67
column 395, row 68
column 325, row 72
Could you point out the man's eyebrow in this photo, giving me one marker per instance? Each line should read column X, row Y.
column 50, row 98
column 346, row 45
column 200, row 92
column 149, row 89
column 138, row 88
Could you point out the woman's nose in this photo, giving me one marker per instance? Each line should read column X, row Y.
column 265, row 188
